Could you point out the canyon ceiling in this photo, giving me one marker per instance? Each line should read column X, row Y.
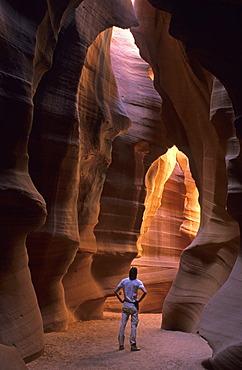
column 121, row 144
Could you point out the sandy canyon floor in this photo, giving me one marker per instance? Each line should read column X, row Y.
column 93, row 345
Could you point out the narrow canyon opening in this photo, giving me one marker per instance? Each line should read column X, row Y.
column 164, row 196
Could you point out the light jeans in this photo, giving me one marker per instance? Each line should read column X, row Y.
column 128, row 309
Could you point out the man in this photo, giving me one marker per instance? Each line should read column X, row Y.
column 130, row 287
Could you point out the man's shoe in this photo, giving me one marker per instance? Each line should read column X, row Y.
column 134, row 348
column 121, row 348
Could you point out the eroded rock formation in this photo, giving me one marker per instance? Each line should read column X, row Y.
column 94, row 163
column 122, row 201
column 170, row 222
column 207, row 254
column 224, row 328
column 211, row 255
column 10, row 359
column 78, row 139
column 29, row 36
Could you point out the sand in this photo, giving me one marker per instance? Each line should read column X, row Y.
column 93, row 345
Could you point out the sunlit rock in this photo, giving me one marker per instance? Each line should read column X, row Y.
column 102, row 118
column 170, row 222
column 29, row 36
column 181, row 81
column 76, row 119
column 122, row 201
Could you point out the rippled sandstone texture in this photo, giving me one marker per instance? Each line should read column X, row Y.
column 122, row 201
column 76, row 131
column 207, row 263
column 170, row 223
column 144, row 167
column 76, row 190
column 10, row 359
column 178, row 83
column 35, row 38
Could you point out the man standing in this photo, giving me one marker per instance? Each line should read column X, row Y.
column 130, row 288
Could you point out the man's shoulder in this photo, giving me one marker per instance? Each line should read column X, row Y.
column 123, row 281
column 139, row 282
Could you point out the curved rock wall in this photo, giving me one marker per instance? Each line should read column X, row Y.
column 220, row 323
column 73, row 189
column 77, row 116
column 176, row 221
column 214, row 250
column 102, row 118
column 122, row 201
column 181, row 81
column 170, row 222
column 29, row 36
column 22, row 207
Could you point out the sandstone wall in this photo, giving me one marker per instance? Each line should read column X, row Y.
column 170, row 222
column 181, row 82
column 164, row 186
column 77, row 116
column 223, row 329
column 73, row 189
column 122, row 201
column 44, row 47
column 208, row 261
column 22, row 207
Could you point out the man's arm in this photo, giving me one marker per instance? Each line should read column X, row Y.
column 143, row 295
column 116, row 292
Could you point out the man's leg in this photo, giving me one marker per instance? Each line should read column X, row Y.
column 134, row 324
column 123, row 323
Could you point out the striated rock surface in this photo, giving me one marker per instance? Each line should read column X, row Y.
column 79, row 202
column 210, row 261
column 22, row 207
column 122, row 201
column 177, row 220
column 221, row 320
column 102, row 118
column 206, row 264
column 10, row 359
column 170, row 222
column 229, row 358
column 73, row 128
column 28, row 38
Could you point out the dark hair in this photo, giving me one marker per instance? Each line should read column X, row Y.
column 133, row 273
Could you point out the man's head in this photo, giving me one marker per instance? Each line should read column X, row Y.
column 133, row 273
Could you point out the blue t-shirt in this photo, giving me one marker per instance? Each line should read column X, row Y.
column 130, row 288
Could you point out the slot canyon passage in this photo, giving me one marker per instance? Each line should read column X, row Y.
column 121, row 146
